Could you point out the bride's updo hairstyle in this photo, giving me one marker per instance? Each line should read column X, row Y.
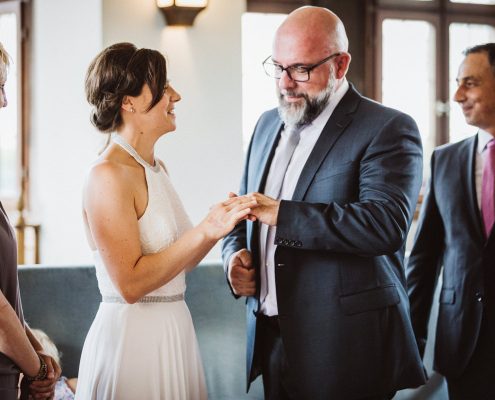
column 122, row 70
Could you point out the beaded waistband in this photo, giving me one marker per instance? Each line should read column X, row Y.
column 145, row 299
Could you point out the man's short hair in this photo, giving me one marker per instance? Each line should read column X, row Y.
column 488, row 48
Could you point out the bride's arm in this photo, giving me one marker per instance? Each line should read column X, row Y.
column 113, row 223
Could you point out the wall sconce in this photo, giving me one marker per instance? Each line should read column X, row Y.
column 181, row 12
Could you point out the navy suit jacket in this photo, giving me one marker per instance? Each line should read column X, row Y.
column 450, row 234
column 343, row 306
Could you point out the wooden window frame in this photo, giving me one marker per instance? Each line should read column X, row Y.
column 23, row 11
column 440, row 13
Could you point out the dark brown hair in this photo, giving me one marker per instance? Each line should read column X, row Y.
column 122, row 70
column 488, row 48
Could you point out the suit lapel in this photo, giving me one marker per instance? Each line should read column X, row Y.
column 468, row 177
column 272, row 137
column 338, row 121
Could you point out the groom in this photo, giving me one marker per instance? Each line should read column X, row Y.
column 322, row 265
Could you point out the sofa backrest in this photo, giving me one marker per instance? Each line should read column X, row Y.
column 63, row 301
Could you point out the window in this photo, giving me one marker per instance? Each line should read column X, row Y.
column 475, row 1
column 408, row 76
column 419, row 48
column 10, row 120
column 258, row 90
column 463, row 35
column 14, row 122
column 14, row 118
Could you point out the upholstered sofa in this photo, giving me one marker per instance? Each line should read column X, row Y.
column 63, row 301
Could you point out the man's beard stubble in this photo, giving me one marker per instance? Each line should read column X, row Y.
column 299, row 115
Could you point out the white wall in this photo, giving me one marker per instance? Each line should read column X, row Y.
column 204, row 155
column 66, row 36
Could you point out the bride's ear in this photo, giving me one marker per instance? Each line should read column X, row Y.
column 127, row 104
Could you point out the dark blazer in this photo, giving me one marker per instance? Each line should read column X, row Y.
column 343, row 307
column 450, row 234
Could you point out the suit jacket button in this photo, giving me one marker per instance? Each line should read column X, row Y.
column 479, row 297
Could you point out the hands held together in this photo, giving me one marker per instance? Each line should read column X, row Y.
column 43, row 388
column 265, row 210
column 224, row 216
column 241, row 273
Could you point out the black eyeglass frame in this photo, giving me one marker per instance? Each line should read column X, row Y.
column 307, row 68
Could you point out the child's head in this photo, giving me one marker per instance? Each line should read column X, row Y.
column 48, row 346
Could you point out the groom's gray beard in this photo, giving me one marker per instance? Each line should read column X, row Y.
column 298, row 115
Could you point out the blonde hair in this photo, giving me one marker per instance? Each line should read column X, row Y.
column 4, row 62
column 47, row 344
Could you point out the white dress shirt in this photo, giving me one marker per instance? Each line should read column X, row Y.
column 309, row 135
column 483, row 139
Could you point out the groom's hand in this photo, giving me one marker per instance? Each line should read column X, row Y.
column 266, row 210
column 241, row 273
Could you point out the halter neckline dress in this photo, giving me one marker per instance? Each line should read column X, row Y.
column 147, row 350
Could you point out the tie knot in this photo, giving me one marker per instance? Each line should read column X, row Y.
column 491, row 144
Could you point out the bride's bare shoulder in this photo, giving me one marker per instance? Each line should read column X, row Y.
column 111, row 171
column 114, row 162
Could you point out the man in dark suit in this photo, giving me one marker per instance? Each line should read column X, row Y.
column 321, row 261
column 455, row 231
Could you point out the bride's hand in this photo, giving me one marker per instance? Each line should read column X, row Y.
column 224, row 216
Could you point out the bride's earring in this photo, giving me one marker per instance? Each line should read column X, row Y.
column 133, row 110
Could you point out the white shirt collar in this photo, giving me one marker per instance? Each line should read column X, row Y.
column 483, row 138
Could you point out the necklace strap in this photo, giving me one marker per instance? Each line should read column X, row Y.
column 132, row 151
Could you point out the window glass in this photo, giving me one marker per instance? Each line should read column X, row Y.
column 9, row 116
column 408, row 74
column 258, row 90
column 462, row 36
column 489, row 2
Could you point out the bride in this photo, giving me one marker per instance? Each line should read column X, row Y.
column 142, row 343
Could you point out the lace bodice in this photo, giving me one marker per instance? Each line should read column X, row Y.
column 163, row 221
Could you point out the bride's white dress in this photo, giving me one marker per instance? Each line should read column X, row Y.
column 147, row 350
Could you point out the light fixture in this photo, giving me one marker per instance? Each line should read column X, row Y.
column 181, row 12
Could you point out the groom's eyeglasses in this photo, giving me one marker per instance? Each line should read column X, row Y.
column 297, row 73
